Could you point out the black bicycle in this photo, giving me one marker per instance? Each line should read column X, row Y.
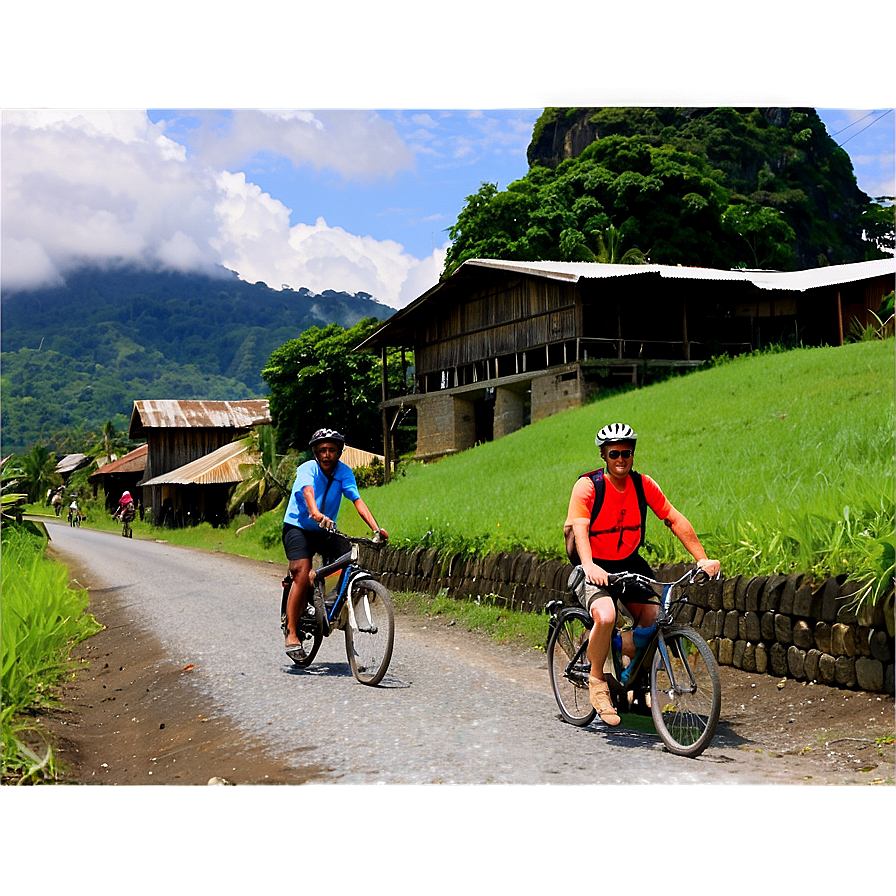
column 672, row 664
column 359, row 605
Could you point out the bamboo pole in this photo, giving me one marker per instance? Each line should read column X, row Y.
column 387, row 435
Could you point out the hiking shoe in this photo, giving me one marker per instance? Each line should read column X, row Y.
column 599, row 692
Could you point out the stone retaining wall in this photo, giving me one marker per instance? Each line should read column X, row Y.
column 787, row 626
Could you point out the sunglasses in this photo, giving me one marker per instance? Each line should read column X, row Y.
column 625, row 454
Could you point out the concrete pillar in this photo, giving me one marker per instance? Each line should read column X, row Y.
column 554, row 393
column 510, row 411
column 445, row 424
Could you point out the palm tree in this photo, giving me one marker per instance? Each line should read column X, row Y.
column 609, row 249
column 110, row 444
column 39, row 471
column 268, row 478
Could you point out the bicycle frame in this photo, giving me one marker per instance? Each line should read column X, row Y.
column 579, row 666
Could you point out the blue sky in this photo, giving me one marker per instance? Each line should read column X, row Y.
column 353, row 200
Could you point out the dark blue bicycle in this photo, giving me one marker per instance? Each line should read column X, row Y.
column 358, row 605
column 673, row 668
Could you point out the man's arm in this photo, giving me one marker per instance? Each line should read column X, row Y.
column 367, row 516
column 684, row 532
column 594, row 573
column 313, row 511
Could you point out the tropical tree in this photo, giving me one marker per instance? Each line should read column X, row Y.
column 110, row 444
column 715, row 187
column 268, row 475
column 320, row 380
column 38, row 468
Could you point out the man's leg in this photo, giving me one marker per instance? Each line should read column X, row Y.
column 603, row 614
column 298, row 598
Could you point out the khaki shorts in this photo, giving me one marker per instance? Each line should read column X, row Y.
column 586, row 593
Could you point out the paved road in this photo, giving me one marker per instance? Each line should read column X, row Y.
column 450, row 710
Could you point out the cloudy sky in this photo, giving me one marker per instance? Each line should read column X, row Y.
column 353, row 200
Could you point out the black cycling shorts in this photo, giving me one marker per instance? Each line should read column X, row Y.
column 303, row 544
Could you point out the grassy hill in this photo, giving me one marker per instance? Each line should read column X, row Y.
column 782, row 462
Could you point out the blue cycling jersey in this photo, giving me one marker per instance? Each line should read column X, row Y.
column 327, row 493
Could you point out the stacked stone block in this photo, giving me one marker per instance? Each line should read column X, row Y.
column 787, row 626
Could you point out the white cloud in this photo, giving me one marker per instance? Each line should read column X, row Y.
column 102, row 187
column 357, row 145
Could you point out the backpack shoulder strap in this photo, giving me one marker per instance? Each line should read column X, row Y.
column 597, row 477
column 638, row 482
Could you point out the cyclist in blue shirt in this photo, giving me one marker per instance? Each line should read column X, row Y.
column 310, row 517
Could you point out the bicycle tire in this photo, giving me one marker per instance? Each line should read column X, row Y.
column 685, row 721
column 312, row 628
column 570, row 688
column 369, row 648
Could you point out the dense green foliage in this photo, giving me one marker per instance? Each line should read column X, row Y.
column 783, row 462
column 77, row 356
column 318, row 380
column 719, row 188
column 42, row 619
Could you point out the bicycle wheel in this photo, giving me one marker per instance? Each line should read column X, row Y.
column 685, row 699
column 369, row 646
column 311, row 628
column 568, row 667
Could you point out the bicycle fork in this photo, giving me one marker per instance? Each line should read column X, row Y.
column 675, row 686
column 368, row 627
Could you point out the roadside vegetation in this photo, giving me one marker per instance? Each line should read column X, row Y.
column 43, row 618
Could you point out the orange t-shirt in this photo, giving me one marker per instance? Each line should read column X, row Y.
column 619, row 521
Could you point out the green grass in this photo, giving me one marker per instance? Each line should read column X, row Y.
column 42, row 619
column 505, row 626
column 783, row 462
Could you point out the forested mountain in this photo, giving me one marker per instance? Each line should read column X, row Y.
column 713, row 187
column 78, row 355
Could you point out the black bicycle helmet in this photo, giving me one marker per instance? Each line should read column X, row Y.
column 327, row 435
column 615, row 432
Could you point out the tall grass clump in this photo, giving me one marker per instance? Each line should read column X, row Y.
column 43, row 618
column 783, row 462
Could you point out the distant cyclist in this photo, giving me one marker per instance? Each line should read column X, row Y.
column 608, row 542
column 314, row 502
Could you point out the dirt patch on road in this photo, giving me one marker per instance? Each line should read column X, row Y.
column 133, row 717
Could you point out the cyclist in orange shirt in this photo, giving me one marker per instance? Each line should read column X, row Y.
column 610, row 544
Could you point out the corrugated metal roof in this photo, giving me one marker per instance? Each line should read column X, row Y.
column 171, row 414
column 218, row 468
column 356, row 457
column 401, row 323
column 72, row 462
column 788, row 280
column 133, row 462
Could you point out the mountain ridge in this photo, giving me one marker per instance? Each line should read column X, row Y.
column 77, row 355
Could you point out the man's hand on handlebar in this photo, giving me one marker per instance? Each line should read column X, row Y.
column 326, row 523
column 595, row 574
column 710, row 567
column 380, row 535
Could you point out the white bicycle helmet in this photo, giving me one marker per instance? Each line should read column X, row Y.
column 327, row 435
column 615, row 432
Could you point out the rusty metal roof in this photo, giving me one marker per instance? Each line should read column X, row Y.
column 173, row 414
column 133, row 462
column 221, row 467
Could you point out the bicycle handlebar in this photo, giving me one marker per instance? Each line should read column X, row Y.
column 695, row 576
